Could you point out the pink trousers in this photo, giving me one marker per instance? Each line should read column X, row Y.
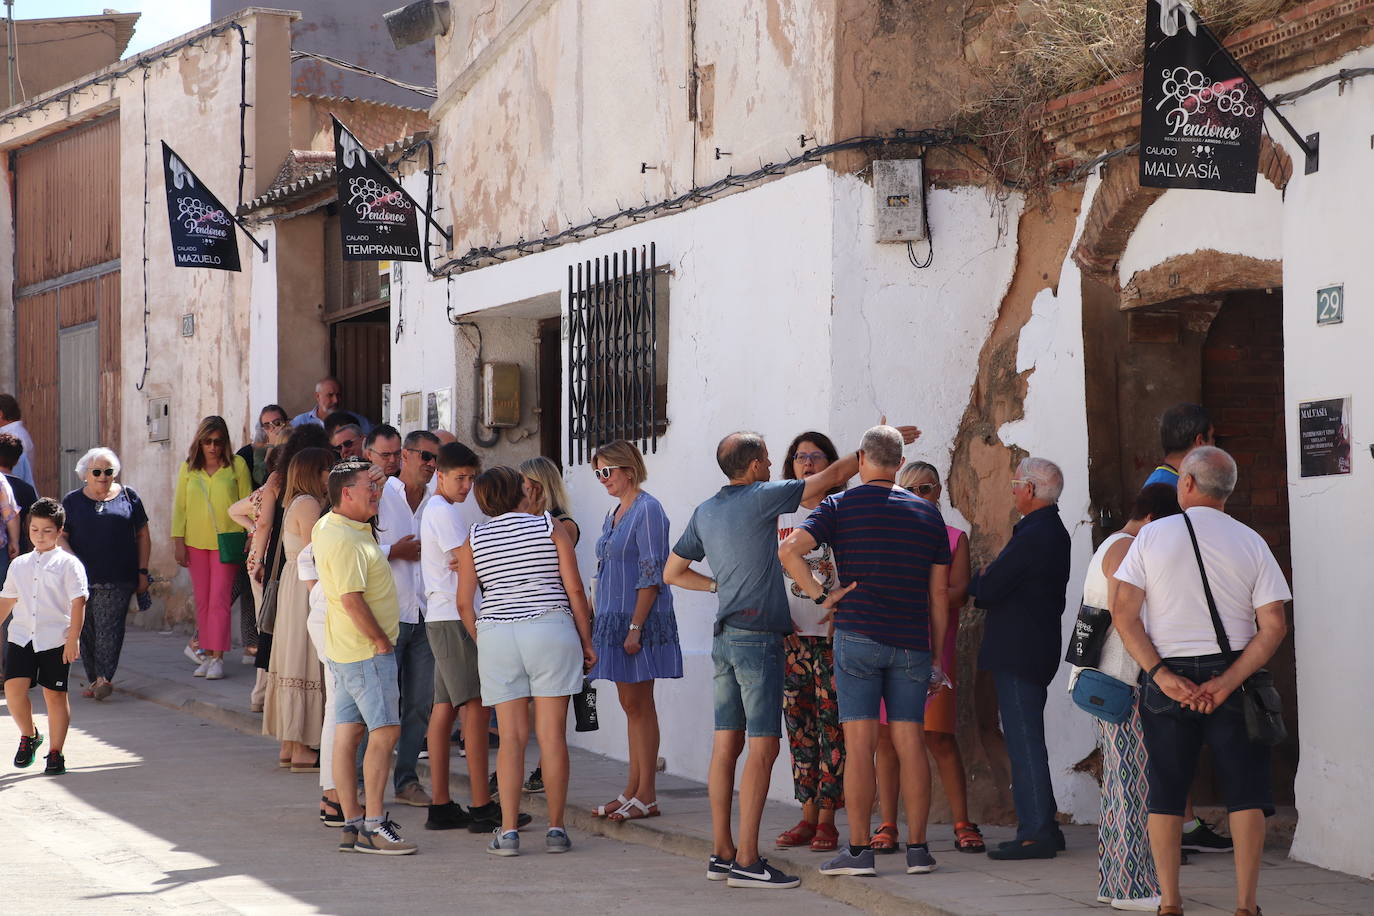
column 214, row 584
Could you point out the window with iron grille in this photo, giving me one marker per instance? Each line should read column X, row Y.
column 617, row 352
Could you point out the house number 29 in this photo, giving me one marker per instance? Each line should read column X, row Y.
column 1331, row 305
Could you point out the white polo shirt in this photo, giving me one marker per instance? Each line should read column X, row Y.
column 46, row 584
column 1240, row 568
column 445, row 527
column 395, row 521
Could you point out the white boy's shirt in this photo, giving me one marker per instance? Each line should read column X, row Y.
column 46, row 584
column 445, row 527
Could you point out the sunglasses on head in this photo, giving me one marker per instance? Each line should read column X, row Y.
column 605, row 473
column 103, row 472
column 424, row 455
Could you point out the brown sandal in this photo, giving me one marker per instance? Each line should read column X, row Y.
column 885, row 840
column 968, row 838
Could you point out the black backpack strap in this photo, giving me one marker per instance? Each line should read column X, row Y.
column 1222, row 642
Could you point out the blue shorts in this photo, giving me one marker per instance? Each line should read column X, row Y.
column 369, row 692
column 537, row 657
column 748, row 681
column 868, row 672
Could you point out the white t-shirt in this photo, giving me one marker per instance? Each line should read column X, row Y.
column 807, row 614
column 1240, row 568
column 444, row 527
column 395, row 521
column 46, row 584
column 306, row 571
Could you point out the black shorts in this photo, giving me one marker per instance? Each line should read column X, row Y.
column 46, row 668
column 1174, row 738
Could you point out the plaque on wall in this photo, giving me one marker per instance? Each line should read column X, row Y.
column 1324, row 437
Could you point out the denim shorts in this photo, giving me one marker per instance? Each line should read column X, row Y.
column 748, row 681
column 369, row 692
column 867, row 672
column 1174, row 737
column 538, row 657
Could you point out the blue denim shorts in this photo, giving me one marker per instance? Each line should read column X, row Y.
column 748, row 681
column 867, row 672
column 369, row 692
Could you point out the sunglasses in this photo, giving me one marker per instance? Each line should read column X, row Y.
column 274, row 424
column 102, row 472
column 425, row 456
column 809, row 456
column 217, row 443
column 605, row 473
column 925, row 489
column 347, row 443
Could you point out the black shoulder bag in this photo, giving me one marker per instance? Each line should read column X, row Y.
column 1259, row 697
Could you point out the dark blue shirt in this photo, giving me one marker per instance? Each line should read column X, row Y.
column 24, row 497
column 736, row 531
column 1023, row 592
column 885, row 540
column 104, row 535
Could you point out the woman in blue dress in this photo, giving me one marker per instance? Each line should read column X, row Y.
column 635, row 632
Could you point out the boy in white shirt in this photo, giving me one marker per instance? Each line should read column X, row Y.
column 46, row 590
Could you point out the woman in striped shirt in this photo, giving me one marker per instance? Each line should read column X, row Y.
column 534, row 640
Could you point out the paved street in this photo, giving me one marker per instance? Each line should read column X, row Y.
column 162, row 811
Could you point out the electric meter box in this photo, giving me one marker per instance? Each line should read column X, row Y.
column 899, row 188
column 500, row 395
column 159, row 419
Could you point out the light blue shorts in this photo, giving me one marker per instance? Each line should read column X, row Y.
column 369, row 692
column 539, row 657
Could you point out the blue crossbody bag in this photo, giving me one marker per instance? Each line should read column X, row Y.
column 1101, row 695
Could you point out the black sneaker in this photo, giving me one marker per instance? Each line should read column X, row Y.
column 1203, row 838
column 761, row 875
column 448, row 816
column 535, row 784
column 718, row 869
column 57, row 764
column 491, row 787
column 28, row 747
column 487, row 818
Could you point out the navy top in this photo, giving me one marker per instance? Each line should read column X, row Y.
column 736, row 531
column 1023, row 592
column 104, row 535
column 886, row 539
column 24, row 497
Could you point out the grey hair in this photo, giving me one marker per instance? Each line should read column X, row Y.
column 84, row 463
column 1212, row 469
column 346, row 427
column 1045, row 474
column 882, row 445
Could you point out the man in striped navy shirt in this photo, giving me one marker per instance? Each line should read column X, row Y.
column 892, row 547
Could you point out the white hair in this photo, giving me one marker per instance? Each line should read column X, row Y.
column 1213, row 470
column 1045, row 474
column 84, row 464
column 882, row 446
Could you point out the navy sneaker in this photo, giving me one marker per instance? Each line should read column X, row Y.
column 1035, row 849
column 919, row 861
column 718, row 869
column 845, row 863
column 28, row 747
column 761, row 875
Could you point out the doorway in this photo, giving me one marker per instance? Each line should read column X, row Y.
column 360, row 358
column 78, row 392
column 551, row 389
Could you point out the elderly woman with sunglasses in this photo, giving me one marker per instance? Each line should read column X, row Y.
column 635, row 630
column 107, row 530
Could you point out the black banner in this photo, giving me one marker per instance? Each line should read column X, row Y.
column 377, row 220
column 203, row 233
column 1200, row 117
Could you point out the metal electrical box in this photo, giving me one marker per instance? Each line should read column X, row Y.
column 900, row 188
column 500, row 395
column 159, row 419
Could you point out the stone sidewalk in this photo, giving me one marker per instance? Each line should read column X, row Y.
column 154, row 669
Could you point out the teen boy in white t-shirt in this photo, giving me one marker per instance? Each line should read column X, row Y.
column 46, row 590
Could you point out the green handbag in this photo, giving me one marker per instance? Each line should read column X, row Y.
column 233, row 545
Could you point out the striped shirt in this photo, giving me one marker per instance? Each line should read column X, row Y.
column 517, row 567
column 886, row 540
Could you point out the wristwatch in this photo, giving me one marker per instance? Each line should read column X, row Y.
column 821, row 598
column 714, row 586
column 634, row 627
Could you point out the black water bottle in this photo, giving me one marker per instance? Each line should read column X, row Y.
column 584, row 708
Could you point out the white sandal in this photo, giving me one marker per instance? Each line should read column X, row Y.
column 623, row 814
column 621, row 802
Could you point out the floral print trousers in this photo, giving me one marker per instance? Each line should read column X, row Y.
column 812, row 714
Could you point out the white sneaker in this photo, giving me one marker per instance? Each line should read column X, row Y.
column 1140, row 904
column 202, row 668
column 216, row 670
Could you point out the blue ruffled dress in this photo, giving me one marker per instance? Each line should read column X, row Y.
column 630, row 556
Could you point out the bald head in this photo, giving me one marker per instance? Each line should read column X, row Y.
column 1212, row 471
column 738, row 451
column 445, row 437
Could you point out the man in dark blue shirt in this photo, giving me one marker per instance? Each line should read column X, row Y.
column 1023, row 593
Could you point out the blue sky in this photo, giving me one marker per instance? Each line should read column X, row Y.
column 162, row 19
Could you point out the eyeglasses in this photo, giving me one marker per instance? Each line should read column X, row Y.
column 373, row 486
column 809, row 456
column 102, row 472
column 605, row 473
column 1022, row 482
column 388, row 456
column 925, row 489
column 274, row 424
column 425, row 456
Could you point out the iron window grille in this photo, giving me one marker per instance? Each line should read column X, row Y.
column 616, row 352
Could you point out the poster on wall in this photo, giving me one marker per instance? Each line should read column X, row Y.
column 411, row 404
column 1324, row 437
column 203, row 233
column 1200, row 116
column 377, row 219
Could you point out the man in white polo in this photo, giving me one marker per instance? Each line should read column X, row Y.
column 1189, row 691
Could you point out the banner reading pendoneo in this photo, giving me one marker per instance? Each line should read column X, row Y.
column 203, row 233
column 1200, row 117
column 377, row 220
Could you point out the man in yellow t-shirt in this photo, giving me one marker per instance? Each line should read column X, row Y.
column 362, row 620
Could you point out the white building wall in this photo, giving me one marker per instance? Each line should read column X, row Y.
column 262, row 323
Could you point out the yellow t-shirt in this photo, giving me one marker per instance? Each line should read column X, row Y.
column 349, row 560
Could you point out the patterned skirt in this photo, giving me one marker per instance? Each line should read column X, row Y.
column 1126, row 869
column 659, row 653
